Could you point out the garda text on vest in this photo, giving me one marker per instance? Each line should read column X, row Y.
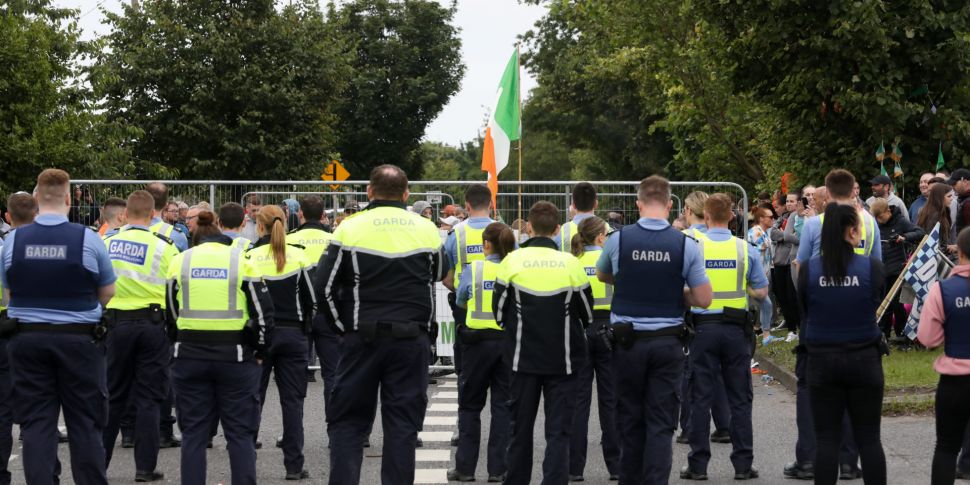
column 846, row 281
column 962, row 302
column 651, row 256
column 127, row 251
column 46, row 252
column 210, row 273
column 543, row 263
column 392, row 223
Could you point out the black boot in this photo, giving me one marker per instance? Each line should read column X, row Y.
column 127, row 438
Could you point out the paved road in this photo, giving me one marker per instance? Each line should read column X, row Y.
column 908, row 442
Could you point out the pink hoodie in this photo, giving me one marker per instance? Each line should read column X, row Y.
column 930, row 331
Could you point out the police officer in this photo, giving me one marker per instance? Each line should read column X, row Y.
column 376, row 281
column 138, row 352
column 21, row 209
column 160, row 193
column 721, row 341
column 464, row 246
column 694, row 214
column 649, row 263
column 231, row 217
column 583, row 205
column 284, row 268
column 223, row 317
column 587, row 245
column 485, row 364
column 943, row 321
column 56, row 357
column 840, row 293
column 314, row 237
column 839, row 185
column 537, row 288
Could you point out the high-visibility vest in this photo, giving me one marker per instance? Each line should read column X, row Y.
column 469, row 247
column 566, row 233
column 314, row 242
column 480, row 314
column 210, row 279
column 163, row 228
column 726, row 264
column 263, row 264
column 602, row 292
column 242, row 243
column 140, row 260
column 868, row 234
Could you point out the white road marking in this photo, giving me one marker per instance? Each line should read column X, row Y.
column 443, row 407
column 441, row 420
column 435, row 436
column 450, row 384
column 431, row 476
column 446, row 395
column 432, row 455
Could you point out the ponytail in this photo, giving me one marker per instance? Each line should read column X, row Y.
column 588, row 230
column 836, row 251
column 501, row 237
column 272, row 219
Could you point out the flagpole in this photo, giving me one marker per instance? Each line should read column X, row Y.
column 899, row 282
column 518, row 95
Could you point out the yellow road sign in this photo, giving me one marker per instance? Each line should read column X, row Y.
column 335, row 171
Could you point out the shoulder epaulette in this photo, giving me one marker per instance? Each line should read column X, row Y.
column 164, row 238
column 293, row 231
column 689, row 236
column 300, row 246
column 176, row 228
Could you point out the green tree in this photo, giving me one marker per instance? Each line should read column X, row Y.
column 45, row 117
column 224, row 89
column 406, row 65
column 748, row 90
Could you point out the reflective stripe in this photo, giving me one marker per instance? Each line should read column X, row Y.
column 383, row 254
column 157, row 256
column 554, row 292
column 740, row 270
column 479, row 289
column 328, row 292
column 569, row 363
column 144, row 278
column 462, row 246
column 518, row 330
column 283, row 276
column 353, row 260
column 608, row 299
column 212, row 314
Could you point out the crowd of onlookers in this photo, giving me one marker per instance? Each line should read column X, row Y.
column 776, row 220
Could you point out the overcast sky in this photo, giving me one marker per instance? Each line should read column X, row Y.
column 488, row 34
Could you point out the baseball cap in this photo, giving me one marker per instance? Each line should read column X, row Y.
column 449, row 210
column 880, row 180
column 450, row 220
column 958, row 175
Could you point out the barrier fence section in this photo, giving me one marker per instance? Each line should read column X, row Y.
column 617, row 197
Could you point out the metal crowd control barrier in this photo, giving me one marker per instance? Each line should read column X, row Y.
column 435, row 198
column 614, row 196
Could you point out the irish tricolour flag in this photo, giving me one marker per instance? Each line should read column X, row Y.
column 504, row 124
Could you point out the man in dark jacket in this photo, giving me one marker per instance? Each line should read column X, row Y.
column 897, row 233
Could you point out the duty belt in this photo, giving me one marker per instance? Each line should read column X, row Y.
column 702, row 319
column 127, row 315
column 71, row 328
column 677, row 331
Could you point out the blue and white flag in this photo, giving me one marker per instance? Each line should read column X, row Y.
column 920, row 274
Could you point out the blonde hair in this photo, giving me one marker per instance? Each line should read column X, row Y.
column 695, row 202
column 272, row 219
column 586, row 233
column 878, row 206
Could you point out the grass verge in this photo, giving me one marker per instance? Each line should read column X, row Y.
column 910, row 379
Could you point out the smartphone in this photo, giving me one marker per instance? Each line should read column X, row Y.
column 805, row 202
